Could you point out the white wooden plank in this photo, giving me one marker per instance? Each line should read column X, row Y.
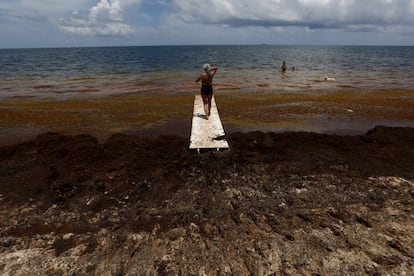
column 205, row 131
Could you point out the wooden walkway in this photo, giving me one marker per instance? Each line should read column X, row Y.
column 206, row 133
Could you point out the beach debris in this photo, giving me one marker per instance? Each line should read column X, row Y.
column 68, row 236
column 329, row 79
column 299, row 191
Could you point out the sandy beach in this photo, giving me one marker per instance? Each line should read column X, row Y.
column 107, row 186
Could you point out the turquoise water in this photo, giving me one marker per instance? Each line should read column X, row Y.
column 173, row 69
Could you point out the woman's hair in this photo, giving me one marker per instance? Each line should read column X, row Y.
column 206, row 67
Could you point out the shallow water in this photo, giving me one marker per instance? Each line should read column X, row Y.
column 67, row 72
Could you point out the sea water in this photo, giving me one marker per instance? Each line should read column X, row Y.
column 173, row 69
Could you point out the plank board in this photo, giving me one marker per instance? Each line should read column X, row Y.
column 204, row 133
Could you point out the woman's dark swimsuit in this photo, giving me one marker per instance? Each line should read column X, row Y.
column 206, row 89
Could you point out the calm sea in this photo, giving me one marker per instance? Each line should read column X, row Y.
column 173, row 69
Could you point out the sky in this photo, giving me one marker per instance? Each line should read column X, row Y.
column 79, row 23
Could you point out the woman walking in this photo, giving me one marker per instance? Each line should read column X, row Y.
column 206, row 79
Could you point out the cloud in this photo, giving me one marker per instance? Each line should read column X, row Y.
column 312, row 14
column 133, row 22
column 103, row 19
column 40, row 8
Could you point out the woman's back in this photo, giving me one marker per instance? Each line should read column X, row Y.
column 207, row 79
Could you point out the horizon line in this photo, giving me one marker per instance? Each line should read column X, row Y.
column 212, row 44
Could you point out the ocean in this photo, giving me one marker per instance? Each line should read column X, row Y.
column 67, row 72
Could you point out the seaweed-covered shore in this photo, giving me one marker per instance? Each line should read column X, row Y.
column 294, row 203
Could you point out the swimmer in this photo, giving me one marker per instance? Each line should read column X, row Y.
column 284, row 66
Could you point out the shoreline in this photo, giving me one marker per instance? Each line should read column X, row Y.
column 96, row 175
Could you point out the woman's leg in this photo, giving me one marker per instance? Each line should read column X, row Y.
column 205, row 104
column 209, row 103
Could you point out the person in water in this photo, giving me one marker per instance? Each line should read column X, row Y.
column 206, row 79
column 284, row 66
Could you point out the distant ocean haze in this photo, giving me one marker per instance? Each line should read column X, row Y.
column 173, row 69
